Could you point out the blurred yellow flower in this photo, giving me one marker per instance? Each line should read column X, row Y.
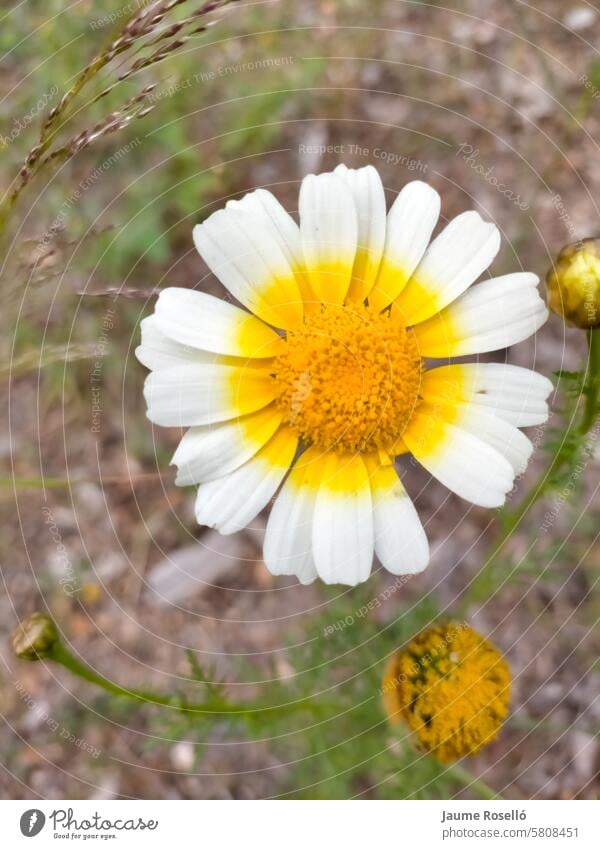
column 452, row 687
column 574, row 284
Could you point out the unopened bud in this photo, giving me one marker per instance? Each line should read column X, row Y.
column 35, row 637
column 574, row 284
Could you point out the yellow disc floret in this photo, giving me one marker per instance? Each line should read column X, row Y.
column 349, row 379
column 452, row 687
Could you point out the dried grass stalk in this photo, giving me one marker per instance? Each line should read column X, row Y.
column 139, row 44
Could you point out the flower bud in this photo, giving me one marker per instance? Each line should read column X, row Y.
column 35, row 637
column 574, row 284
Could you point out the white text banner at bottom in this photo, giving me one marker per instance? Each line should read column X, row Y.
column 296, row 824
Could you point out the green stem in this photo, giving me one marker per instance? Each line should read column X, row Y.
column 464, row 776
column 61, row 655
column 215, row 705
column 592, row 382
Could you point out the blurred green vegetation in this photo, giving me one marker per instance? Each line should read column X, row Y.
column 346, row 747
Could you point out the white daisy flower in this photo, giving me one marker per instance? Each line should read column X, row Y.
column 325, row 378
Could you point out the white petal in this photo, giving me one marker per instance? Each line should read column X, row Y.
column 369, row 199
column 329, row 230
column 343, row 521
column 410, row 223
column 211, row 324
column 263, row 205
column 461, row 461
column 454, row 260
column 215, row 450
column 308, row 573
column 157, row 351
column 232, row 502
column 400, row 541
column 496, row 432
column 245, row 253
column 286, row 231
column 200, row 394
column 287, row 548
column 491, row 315
column 517, row 395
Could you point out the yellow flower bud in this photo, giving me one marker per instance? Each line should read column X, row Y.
column 574, row 284
column 452, row 687
column 35, row 637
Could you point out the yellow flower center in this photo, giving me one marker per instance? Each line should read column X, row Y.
column 452, row 687
column 349, row 379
